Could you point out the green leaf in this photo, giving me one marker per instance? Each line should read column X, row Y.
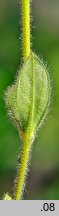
column 28, row 99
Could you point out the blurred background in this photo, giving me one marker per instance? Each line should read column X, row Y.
column 43, row 178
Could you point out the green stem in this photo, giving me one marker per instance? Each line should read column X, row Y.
column 22, row 170
column 26, row 28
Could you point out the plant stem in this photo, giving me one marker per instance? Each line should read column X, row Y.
column 22, row 170
column 23, row 166
column 26, row 28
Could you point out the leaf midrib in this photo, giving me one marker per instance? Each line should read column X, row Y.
column 33, row 95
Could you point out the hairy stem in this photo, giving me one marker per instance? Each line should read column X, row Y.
column 26, row 28
column 22, row 170
column 23, row 166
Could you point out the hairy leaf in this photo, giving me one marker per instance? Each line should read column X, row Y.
column 28, row 99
